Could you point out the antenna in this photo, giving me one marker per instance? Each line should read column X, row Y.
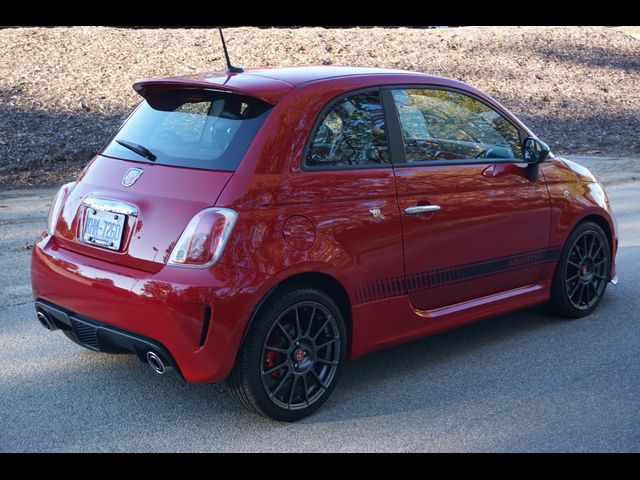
column 230, row 68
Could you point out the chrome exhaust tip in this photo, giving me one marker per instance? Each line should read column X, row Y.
column 156, row 363
column 45, row 321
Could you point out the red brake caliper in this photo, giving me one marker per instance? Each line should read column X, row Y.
column 271, row 359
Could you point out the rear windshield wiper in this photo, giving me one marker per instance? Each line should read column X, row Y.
column 139, row 149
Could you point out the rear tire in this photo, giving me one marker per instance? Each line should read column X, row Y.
column 582, row 272
column 292, row 356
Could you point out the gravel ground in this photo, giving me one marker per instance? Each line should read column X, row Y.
column 64, row 90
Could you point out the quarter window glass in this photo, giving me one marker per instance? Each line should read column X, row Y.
column 444, row 125
column 352, row 132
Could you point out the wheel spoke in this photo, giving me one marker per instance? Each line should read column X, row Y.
column 589, row 296
column 595, row 288
column 602, row 277
column 329, row 342
column 580, row 289
column 595, row 255
column 326, row 362
column 293, row 389
column 276, row 349
column 315, row 337
column 577, row 265
column 282, row 382
column 286, row 334
column 313, row 312
column 276, row 368
column 573, row 277
column 306, row 389
column 298, row 329
column 317, row 377
column 573, row 292
column 593, row 242
column 600, row 262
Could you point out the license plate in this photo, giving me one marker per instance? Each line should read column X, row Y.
column 103, row 229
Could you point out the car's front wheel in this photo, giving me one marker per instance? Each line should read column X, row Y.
column 582, row 273
column 292, row 356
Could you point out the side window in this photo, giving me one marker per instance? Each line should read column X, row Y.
column 352, row 132
column 446, row 125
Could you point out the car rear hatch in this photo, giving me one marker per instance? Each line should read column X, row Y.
column 171, row 159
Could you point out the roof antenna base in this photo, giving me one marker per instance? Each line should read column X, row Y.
column 230, row 68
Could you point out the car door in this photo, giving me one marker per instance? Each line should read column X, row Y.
column 473, row 224
column 346, row 188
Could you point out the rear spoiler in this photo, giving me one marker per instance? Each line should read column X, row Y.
column 266, row 89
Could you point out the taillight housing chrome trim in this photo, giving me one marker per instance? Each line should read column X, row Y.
column 230, row 217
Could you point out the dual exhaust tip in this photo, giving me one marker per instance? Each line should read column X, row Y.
column 154, row 360
column 156, row 363
column 46, row 321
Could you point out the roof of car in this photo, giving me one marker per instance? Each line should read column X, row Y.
column 268, row 84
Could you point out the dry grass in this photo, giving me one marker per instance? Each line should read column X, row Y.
column 64, row 90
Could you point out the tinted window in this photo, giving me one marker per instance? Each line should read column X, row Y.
column 441, row 125
column 192, row 128
column 351, row 132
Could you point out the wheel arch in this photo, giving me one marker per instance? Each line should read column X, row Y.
column 322, row 281
column 603, row 223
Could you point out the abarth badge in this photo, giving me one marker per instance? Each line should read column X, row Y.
column 132, row 175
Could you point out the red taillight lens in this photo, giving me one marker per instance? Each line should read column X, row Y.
column 202, row 242
column 56, row 206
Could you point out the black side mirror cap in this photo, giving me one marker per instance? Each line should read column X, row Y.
column 534, row 150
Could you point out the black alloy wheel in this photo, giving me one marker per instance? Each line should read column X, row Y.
column 292, row 356
column 582, row 273
column 301, row 354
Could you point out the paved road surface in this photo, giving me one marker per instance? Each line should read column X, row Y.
column 518, row 382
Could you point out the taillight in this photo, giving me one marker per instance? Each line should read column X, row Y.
column 202, row 242
column 56, row 206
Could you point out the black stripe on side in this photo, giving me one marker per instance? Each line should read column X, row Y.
column 418, row 281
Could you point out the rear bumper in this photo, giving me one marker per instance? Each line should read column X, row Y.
column 195, row 317
column 103, row 338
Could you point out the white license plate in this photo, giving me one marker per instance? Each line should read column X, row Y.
column 103, row 229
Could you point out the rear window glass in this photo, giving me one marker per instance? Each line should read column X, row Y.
column 190, row 128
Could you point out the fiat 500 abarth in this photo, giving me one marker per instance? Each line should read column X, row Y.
column 266, row 226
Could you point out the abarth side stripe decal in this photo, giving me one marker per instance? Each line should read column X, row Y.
column 419, row 281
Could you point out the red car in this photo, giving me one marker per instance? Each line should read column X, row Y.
column 266, row 226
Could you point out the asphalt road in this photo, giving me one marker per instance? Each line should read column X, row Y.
column 519, row 382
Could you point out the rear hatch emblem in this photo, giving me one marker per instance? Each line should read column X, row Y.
column 132, row 175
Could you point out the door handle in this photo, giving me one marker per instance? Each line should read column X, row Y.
column 421, row 209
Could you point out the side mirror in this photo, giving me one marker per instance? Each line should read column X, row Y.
column 534, row 150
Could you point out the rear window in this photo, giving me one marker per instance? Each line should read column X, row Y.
column 190, row 128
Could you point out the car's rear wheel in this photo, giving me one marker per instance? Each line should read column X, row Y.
column 582, row 273
column 292, row 356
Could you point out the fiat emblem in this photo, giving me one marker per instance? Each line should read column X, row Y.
column 132, row 175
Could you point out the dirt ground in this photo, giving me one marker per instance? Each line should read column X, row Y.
column 64, row 90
